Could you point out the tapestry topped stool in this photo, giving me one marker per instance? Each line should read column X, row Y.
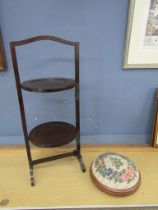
column 115, row 174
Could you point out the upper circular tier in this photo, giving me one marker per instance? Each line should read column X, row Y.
column 52, row 84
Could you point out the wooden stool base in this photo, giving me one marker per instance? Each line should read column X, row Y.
column 114, row 191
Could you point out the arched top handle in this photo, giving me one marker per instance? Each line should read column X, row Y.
column 44, row 38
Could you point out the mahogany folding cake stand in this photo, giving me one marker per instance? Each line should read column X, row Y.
column 49, row 134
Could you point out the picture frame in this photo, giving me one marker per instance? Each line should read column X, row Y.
column 154, row 139
column 2, row 57
column 141, row 42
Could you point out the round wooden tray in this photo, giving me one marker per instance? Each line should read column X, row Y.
column 111, row 191
column 52, row 84
column 52, row 134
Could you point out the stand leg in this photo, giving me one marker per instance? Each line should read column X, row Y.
column 82, row 165
column 32, row 180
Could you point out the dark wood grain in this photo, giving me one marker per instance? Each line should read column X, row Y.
column 52, row 134
column 43, row 38
column 48, row 84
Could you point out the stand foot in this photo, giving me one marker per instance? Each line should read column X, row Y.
column 82, row 165
column 32, row 177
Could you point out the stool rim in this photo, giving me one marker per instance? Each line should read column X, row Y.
column 116, row 192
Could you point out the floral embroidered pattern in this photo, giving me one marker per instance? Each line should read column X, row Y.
column 115, row 170
column 116, row 162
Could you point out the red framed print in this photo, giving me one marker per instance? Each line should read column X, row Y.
column 155, row 127
column 2, row 57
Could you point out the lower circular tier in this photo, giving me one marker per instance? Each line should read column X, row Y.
column 52, row 134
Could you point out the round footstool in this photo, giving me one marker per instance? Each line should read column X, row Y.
column 115, row 174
